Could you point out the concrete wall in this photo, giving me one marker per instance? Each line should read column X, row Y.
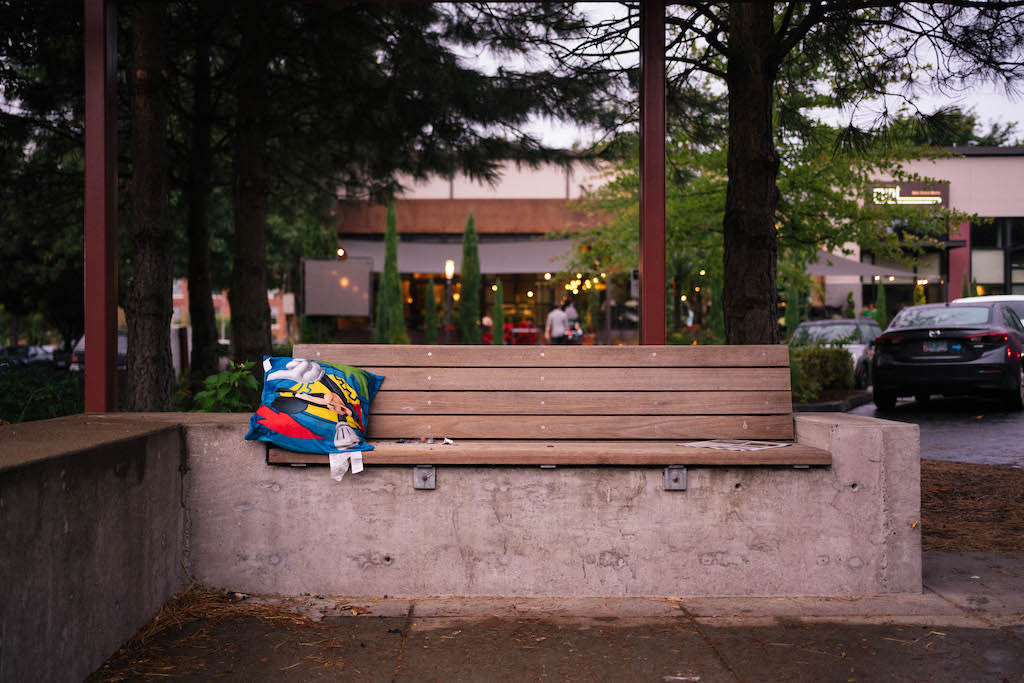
column 845, row 530
column 102, row 518
column 91, row 543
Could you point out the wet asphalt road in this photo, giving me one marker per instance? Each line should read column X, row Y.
column 962, row 429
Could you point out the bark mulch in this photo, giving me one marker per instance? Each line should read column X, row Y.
column 971, row 508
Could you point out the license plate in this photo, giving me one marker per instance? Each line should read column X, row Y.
column 936, row 346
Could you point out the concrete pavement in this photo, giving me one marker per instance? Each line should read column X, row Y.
column 967, row 625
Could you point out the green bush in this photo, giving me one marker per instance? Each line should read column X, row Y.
column 814, row 369
column 39, row 393
column 234, row 390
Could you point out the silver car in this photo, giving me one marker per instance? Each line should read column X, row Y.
column 854, row 335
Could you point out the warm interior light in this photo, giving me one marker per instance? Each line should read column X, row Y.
column 530, row 294
column 877, row 278
column 891, row 278
column 341, row 252
column 449, row 269
column 494, row 288
column 703, row 272
column 696, row 289
column 547, row 276
column 682, row 298
column 455, row 296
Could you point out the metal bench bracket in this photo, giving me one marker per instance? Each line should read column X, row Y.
column 424, row 477
column 675, row 478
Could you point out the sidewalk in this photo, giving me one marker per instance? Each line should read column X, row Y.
column 967, row 625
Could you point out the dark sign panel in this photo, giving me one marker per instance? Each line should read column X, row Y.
column 338, row 287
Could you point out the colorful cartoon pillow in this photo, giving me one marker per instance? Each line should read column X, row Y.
column 314, row 407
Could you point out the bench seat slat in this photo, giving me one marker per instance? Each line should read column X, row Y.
column 583, row 379
column 507, row 452
column 582, row 426
column 581, row 403
column 763, row 355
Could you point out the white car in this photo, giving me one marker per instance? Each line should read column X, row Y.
column 1014, row 301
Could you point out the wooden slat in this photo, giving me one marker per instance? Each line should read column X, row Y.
column 584, row 379
column 565, row 453
column 581, row 402
column 582, row 427
column 382, row 356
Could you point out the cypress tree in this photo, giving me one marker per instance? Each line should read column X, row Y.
column 430, row 323
column 881, row 316
column 390, row 323
column 469, row 303
column 967, row 286
column 498, row 329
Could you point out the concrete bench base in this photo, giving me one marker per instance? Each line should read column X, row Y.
column 581, row 531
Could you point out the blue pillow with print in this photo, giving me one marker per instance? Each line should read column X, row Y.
column 313, row 407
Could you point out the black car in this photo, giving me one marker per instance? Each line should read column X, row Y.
column 950, row 349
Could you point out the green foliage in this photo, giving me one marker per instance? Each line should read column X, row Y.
column 967, row 286
column 469, row 303
column 881, row 315
column 40, row 393
column 850, row 309
column 498, row 319
column 234, row 390
column 814, row 369
column 797, row 305
column 389, row 326
column 430, row 318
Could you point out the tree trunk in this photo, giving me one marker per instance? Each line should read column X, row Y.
column 200, row 286
column 250, row 313
column 148, row 301
column 751, row 247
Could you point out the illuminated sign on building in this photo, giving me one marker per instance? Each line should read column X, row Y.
column 910, row 194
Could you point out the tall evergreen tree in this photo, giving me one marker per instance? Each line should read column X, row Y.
column 498, row 318
column 967, row 286
column 469, row 302
column 389, row 326
column 430, row 319
column 148, row 305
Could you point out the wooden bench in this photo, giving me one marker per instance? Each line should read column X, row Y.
column 571, row 405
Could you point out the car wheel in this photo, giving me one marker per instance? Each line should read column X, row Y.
column 1015, row 397
column 884, row 400
column 862, row 377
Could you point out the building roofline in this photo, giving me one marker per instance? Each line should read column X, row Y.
column 978, row 151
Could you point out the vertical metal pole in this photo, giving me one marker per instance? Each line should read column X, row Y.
column 100, row 206
column 652, row 171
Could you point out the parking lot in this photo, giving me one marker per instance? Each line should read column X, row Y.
column 963, row 429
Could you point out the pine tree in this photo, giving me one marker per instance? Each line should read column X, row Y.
column 469, row 303
column 389, row 327
column 881, row 316
column 430, row 322
column 498, row 329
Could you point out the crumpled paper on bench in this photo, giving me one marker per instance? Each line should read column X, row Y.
column 340, row 463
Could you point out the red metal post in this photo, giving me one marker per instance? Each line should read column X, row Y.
column 652, row 171
column 100, row 206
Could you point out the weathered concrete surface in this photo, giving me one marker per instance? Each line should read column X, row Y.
column 903, row 637
column 90, row 541
column 851, row 529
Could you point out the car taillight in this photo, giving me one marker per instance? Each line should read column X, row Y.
column 881, row 342
column 995, row 338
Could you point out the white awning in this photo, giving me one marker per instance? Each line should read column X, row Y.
column 498, row 257
column 831, row 265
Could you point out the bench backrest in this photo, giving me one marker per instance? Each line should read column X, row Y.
column 573, row 392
